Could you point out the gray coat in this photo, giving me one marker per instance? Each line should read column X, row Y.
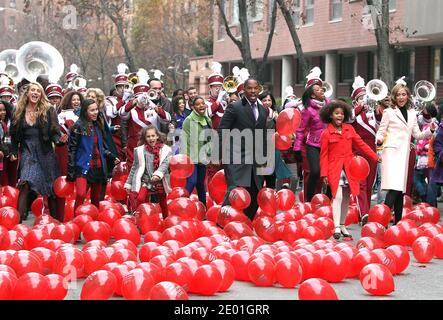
column 142, row 169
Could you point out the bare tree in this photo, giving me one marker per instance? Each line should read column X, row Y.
column 380, row 18
column 255, row 68
column 284, row 7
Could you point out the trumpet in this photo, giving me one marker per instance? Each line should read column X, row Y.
column 230, row 84
column 152, row 94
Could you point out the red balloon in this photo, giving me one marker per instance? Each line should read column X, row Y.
column 376, row 279
column 352, row 216
column 94, row 259
column 117, row 190
column 239, row 261
column 7, row 284
column 320, row 200
column 34, row 238
column 359, row 168
column 37, row 207
column 9, row 217
column 237, row 230
column 363, row 258
column 207, row 280
column 181, row 166
column 179, row 273
column 433, row 214
column 387, row 259
column 123, row 255
column 423, row 249
column 374, row 230
column 229, row 214
column 25, row 262
column 63, row 188
column 119, row 271
column 401, row 256
column 47, row 258
column 288, row 272
column 282, row 142
column 437, row 242
column 288, row 121
column 239, row 198
column 96, row 230
column 89, row 209
column 177, row 182
column 167, row 290
column 137, row 284
column 267, row 200
column 316, row 289
column 335, row 267
column 178, row 192
column 311, row 265
column 313, row 233
column 22, row 229
column 183, row 207
column 31, row 286
column 261, row 272
column 109, row 216
column 69, row 262
column 126, row 230
column 326, row 225
column 369, row 243
column 266, row 229
column 285, row 199
column 407, row 201
column 226, row 271
column 121, row 171
column 99, row 285
column 396, row 235
column 82, row 220
column 148, row 218
column 217, row 187
column 58, row 288
column 380, row 213
column 63, row 233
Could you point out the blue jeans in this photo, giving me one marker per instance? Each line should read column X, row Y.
column 420, row 184
column 197, row 180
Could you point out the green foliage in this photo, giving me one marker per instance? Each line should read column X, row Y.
column 348, row 100
column 204, row 46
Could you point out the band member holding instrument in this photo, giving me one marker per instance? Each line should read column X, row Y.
column 399, row 123
column 54, row 92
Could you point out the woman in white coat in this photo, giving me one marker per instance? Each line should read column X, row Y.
column 397, row 126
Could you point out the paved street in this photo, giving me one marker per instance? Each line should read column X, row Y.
column 418, row 282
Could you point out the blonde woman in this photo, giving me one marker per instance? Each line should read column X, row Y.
column 33, row 131
column 98, row 96
column 398, row 124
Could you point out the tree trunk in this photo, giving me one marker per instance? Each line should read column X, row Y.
column 381, row 25
column 304, row 64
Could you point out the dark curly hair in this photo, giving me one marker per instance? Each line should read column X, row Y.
column 326, row 112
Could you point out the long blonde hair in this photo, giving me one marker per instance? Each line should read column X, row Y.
column 394, row 92
column 100, row 97
column 42, row 106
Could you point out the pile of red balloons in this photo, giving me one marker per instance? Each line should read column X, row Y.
column 288, row 122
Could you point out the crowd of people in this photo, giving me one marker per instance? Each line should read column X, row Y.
column 49, row 131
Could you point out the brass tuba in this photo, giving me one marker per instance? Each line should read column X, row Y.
column 230, row 84
column 328, row 89
column 79, row 82
column 424, row 91
column 38, row 58
column 376, row 90
column 9, row 57
column 133, row 79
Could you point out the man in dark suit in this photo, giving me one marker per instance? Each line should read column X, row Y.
column 242, row 138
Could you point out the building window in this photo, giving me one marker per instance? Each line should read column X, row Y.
column 336, row 9
column 402, row 65
column 12, row 4
column 347, row 67
column 296, row 9
column 309, row 12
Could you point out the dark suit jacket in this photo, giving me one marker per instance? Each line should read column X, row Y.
column 239, row 116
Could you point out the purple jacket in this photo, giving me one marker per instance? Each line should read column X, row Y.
column 310, row 121
column 437, row 173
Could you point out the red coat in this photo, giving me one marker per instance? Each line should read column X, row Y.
column 215, row 111
column 336, row 154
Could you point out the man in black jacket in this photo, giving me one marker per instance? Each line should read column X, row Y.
column 242, row 138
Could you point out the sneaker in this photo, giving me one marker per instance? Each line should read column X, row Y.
column 344, row 232
column 285, row 186
column 364, row 219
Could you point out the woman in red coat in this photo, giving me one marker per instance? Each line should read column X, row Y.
column 335, row 156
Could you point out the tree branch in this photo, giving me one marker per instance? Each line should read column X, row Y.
column 225, row 22
column 270, row 37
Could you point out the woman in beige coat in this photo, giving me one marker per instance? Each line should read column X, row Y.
column 398, row 124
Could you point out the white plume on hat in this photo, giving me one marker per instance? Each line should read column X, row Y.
column 74, row 68
column 401, row 81
column 82, row 82
column 158, row 74
column 143, row 76
column 121, row 68
column 359, row 82
column 216, row 67
column 236, row 72
column 4, row 81
column 289, row 91
column 53, row 78
column 315, row 73
column 244, row 74
column 2, row 66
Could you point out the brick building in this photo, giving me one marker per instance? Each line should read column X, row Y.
column 337, row 36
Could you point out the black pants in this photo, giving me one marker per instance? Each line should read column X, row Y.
column 394, row 199
column 25, row 198
column 313, row 156
column 253, row 192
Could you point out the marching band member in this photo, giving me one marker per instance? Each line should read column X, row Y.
column 364, row 124
column 399, row 123
column 113, row 105
column 8, row 172
column 141, row 112
column 70, row 76
column 217, row 99
column 157, row 86
column 312, row 127
column 54, row 92
column 6, row 91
